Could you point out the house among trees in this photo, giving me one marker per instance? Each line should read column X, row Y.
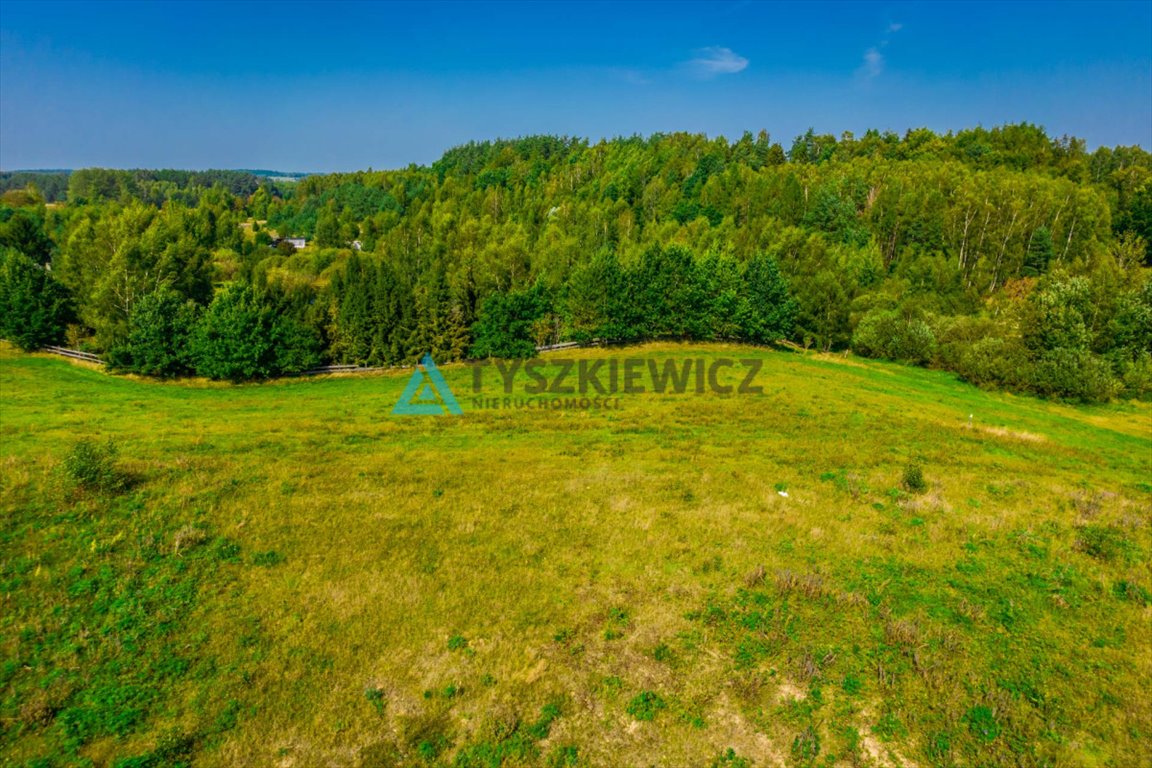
column 296, row 242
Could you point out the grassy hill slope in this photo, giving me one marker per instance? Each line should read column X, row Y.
column 294, row 577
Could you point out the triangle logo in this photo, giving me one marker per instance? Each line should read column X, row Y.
column 427, row 394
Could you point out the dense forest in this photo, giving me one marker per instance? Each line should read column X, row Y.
column 103, row 184
column 1012, row 258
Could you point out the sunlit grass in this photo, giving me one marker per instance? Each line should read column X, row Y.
column 299, row 578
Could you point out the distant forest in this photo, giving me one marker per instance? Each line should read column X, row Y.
column 1014, row 259
column 57, row 186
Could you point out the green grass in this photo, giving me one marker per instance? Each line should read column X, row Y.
column 286, row 574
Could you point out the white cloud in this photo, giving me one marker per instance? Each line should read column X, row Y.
column 712, row 61
column 873, row 64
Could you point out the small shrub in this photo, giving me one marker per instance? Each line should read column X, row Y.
column 174, row 749
column 806, row 745
column 850, row 740
column 267, row 559
column 564, row 756
column 457, row 643
column 645, row 705
column 91, row 466
column 694, row 719
column 1102, row 542
column 913, row 479
column 618, row 621
column 888, row 727
column 1076, row 375
column 996, row 360
column 940, row 747
column 375, row 697
column 1136, row 377
column 982, row 723
column 429, row 749
column 226, row 550
column 890, row 335
column 1126, row 590
column 549, row 713
column 729, row 759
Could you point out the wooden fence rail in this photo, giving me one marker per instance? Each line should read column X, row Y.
column 561, row 345
column 343, row 369
column 75, row 354
column 88, row 357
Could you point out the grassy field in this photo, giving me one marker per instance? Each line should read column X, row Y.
column 294, row 577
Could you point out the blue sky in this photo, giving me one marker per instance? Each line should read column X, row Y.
column 342, row 86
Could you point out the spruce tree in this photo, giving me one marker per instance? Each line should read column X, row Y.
column 1039, row 254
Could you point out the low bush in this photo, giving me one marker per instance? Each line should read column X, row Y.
column 1074, row 374
column 1102, row 542
column 888, row 334
column 91, row 466
column 913, row 480
column 645, row 705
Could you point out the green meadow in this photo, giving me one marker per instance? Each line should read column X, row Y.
column 864, row 565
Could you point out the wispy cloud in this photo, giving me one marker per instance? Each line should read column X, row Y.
column 713, row 61
column 631, row 76
column 873, row 64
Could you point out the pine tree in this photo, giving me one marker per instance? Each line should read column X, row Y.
column 354, row 322
column 505, row 327
column 1040, row 253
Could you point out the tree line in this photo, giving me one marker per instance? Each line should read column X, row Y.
column 155, row 186
column 1014, row 259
